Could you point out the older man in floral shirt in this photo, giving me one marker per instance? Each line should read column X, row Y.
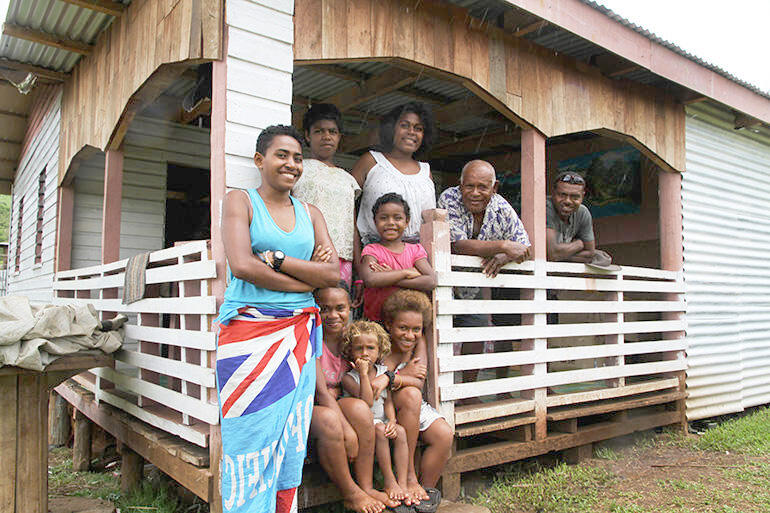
column 484, row 224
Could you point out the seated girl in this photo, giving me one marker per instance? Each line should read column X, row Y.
column 365, row 343
column 342, row 431
column 392, row 263
column 406, row 314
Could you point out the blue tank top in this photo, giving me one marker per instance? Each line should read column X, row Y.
column 266, row 235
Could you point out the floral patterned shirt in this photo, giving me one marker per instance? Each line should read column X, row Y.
column 500, row 223
column 334, row 192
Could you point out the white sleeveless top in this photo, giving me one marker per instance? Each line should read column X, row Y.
column 418, row 191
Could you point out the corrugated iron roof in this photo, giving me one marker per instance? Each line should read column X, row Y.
column 674, row 48
column 57, row 18
column 575, row 46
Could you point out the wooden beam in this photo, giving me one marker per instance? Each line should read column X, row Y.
column 460, row 109
column 337, row 71
column 43, row 73
column 532, row 27
column 44, row 38
column 742, row 120
column 624, row 70
column 474, row 143
column 158, row 82
column 15, row 114
column 378, row 85
column 105, row 6
column 113, row 194
column 202, row 108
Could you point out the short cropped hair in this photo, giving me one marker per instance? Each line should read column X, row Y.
column 570, row 177
column 365, row 328
column 268, row 134
column 407, row 300
column 388, row 126
column 390, row 197
column 340, row 285
column 321, row 112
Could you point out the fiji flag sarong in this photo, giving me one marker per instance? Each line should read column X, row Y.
column 266, row 379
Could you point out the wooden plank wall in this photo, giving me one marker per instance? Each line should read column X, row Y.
column 259, row 68
column 149, row 145
column 553, row 93
column 151, row 33
column 40, row 153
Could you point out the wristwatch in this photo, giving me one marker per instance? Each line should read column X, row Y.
column 391, row 376
column 278, row 257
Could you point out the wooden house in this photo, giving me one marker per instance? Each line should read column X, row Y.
column 146, row 112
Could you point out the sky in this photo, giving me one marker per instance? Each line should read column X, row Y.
column 730, row 34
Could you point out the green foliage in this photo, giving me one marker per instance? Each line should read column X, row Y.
column 749, row 434
column 150, row 496
column 5, row 216
column 606, row 453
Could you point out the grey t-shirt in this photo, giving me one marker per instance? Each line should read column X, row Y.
column 579, row 225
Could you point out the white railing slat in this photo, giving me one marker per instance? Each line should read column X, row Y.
column 204, row 340
column 168, row 366
column 513, row 358
column 482, row 334
column 504, row 385
column 173, row 305
column 185, row 404
column 469, row 279
column 486, row 306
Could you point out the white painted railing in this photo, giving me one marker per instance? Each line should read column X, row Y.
column 585, row 335
column 164, row 374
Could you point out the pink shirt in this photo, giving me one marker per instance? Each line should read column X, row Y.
column 374, row 297
column 334, row 367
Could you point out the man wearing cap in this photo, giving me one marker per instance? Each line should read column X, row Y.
column 482, row 223
column 569, row 226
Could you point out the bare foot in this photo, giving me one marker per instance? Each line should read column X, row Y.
column 416, row 492
column 361, row 502
column 394, row 491
column 382, row 497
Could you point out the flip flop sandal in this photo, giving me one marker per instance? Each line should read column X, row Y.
column 401, row 508
column 430, row 505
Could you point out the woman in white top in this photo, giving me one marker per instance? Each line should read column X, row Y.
column 330, row 188
column 405, row 132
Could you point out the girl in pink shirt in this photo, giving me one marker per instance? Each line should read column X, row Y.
column 392, row 263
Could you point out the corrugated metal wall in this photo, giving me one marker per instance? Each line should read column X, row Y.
column 148, row 147
column 726, row 230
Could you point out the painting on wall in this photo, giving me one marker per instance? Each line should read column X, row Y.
column 613, row 180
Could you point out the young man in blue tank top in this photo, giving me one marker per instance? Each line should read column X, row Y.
column 278, row 251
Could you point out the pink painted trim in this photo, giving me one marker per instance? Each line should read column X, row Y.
column 588, row 23
column 218, row 170
column 113, row 195
column 533, row 185
column 670, row 194
column 64, row 228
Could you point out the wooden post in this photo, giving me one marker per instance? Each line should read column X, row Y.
column 671, row 259
column 64, row 229
column 59, row 420
column 32, row 463
column 113, row 193
column 81, row 448
column 8, row 427
column 533, row 187
column 434, row 235
column 131, row 469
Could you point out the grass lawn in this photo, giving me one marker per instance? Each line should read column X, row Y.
column 725, row 470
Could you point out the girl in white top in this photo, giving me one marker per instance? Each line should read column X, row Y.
column 405, row 132
column 330, row 188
